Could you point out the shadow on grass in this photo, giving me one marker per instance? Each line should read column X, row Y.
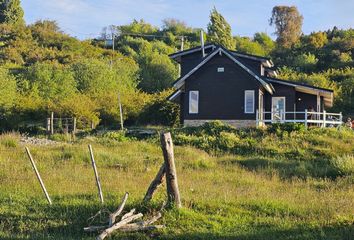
column 268, row 233
column 66, row 218
column 289, row 168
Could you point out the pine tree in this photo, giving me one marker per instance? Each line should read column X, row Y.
column 11, row 12
column 219, row 30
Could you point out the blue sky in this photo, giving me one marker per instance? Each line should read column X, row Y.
column 86, row 18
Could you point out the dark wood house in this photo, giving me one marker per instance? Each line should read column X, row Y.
column 242, row 90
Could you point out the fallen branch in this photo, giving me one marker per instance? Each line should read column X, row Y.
column 128, row 214
column 134, row 228
column 118, row 225
column 94, row 228
column 158, row 180
column 112, row 216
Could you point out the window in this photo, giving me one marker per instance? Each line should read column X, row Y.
column 193, row 101
column 221, row 69
column 249, row 101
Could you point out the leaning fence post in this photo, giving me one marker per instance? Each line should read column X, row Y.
column 171, row 175
column 305, row 118
column 38, row 176
column 96, row 174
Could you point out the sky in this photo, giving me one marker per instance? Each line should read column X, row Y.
column 86, row 18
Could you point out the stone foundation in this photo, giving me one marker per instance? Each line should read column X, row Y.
column 235, row 123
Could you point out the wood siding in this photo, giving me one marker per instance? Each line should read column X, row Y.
column 221, row 94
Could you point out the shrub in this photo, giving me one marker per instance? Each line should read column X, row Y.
column 279, row 128
column 344, row 164
column 119, row 136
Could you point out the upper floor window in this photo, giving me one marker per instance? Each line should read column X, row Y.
column 249, row 101
column 193, row 101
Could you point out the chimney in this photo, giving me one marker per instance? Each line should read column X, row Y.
column 202, row 42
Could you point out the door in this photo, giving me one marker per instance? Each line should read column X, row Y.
column 278, row 109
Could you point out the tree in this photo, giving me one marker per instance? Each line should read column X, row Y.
column 11, row 12
column 263, row 39
column 7, row 90
column 288, row 24
column 219, row 30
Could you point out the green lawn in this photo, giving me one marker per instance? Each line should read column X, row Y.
column 226, row 195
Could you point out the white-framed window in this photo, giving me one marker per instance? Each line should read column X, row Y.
column 249, row 101
column 221, row 69
column 193, row 101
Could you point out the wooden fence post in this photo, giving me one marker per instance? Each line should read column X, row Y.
column 96, row 174
column 38, row 176
column 306, row 118
column 74, row 125
column 324, row 118
column 48, row 126
column 257, row 118
column 171, row 175
column 52, row 123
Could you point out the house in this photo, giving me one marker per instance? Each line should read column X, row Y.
column 243, row 90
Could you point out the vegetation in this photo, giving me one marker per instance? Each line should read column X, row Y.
column 43, row 69
column 294, row 188
column 219, row 30
column 288, row 23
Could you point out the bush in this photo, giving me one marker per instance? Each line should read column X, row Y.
column 119, row 136
column 344, row 164
column 279, row 128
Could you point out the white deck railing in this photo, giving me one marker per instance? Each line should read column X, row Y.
column 321, row 119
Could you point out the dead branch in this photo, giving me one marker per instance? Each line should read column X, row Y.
column 128, row 214
column 112, row 216
column 135, row 228
column 118, row 225
column 94, row 228
column 158, row 180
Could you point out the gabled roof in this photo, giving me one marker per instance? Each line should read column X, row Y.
column 266, row 61
column 220, row 50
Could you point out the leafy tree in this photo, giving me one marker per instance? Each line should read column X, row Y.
column 246, row 45
column 219, row 30
column 265, row 41
column 53, row 82
column 318, row 39
column 7, row 90
column 288, row 24
column 11, row 12
column 305, row 62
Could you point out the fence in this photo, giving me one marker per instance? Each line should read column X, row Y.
column 321, row 119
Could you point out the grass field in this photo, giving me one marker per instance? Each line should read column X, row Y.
column 226, row 195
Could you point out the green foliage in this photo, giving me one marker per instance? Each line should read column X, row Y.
column 219, row 30
column 306, row 62
column 344, row 164
column 159, row 111
column 279, row 128
column 7, row 91
column 11, row 12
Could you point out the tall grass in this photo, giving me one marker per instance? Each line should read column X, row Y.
column 225, row 195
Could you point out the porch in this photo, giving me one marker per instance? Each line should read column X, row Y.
column 308, row 118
